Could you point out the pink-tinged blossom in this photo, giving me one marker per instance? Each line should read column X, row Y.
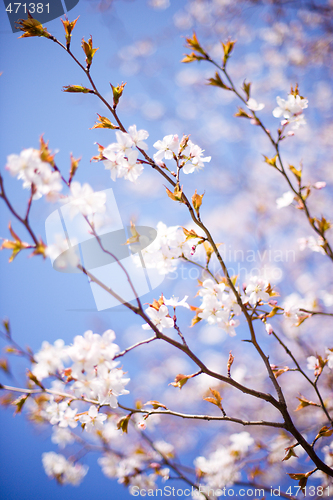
column 83, row 199
column 285, row 200
column 329, row 354
column 93, row 420
column 58, row 467
column 229, row 326
column 141, row 425
column 255, row 291
column 319, row 185
column 253, row 105
column 160, row 318
column 291, row 110
column 312, row 363
column 166, row 148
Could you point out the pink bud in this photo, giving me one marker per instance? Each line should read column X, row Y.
column 269, row 328
column 155, row 465
column 319, row 185
column 290, row 133
column 272, row 302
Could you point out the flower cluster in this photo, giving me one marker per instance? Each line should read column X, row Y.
column 222, row 468
column 29, row 167
column 291, row 110
column 92, row 376
column 189, row 156
column 168, row 246
column 65, row 472
column 218, row 307
column 93, row 373
column 121, row 157
column 131, row 470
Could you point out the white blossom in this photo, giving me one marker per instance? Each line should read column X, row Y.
column 175, row 302
column 49, row 360
column 83, row 199
column 291, row 110
column 131, row 168
column 114, row 162
column 138, row 136
column 93, row 420
column 159, row 318
column 165, row 251
column 285, row 200
column 29, row 167
column 166, row 148
column 66, row 472
column 255, row 291
column 62, row 436
column 253, row 105
column 61, row 414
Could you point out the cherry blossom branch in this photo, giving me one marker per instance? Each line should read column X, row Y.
column 134, row 346
column 24, row 221
column 321, row 232
column 204, row 268
column 148, row 413
column 313, row 313
column 313, row 384
column 136, row 295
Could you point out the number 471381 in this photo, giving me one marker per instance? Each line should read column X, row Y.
column 310, row 491
column 32, row 7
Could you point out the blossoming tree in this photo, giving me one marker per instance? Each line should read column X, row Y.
column 92, row 403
